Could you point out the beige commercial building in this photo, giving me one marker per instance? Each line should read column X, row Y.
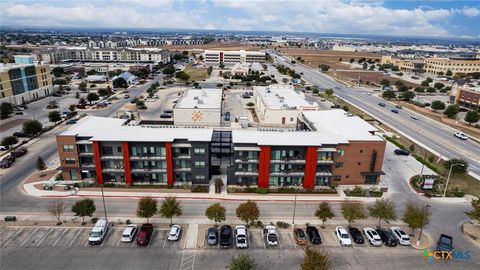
column 434, row 65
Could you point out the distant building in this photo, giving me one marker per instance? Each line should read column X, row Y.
column 435, row 65
column 21, row 83
column 100, row 69
column 96, row 78
column 128, row 77
column 280, row 104
column 232, row 57
column 465, row 95
column 199, row 107
column 24, row 59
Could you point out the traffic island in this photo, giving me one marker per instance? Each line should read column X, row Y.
column 425, row 242
column 472, row 230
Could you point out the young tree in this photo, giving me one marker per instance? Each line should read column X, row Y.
column 365, row 65
column 383, row 209
column 32, row 127
column 250, row 104
column 385, row 82
column 329, row 92
column 449, row 73
column 472, row 117
column 353, row 211
column 57, row 208
column 408, row 95
column 92, row 97
column 437, row 105
column 216, row 212
column 84, row 208
column 147, row 207
column 72, row 107
column 82, row 86
column 54, row 116
column 451, row 111
column 315, row 259
column 285, row 80
column 248, row 212
column 170, row 207
column 9, row 141
column 120, row 83
column 5, row 110
column 242, row 262
column 416, row 216
column 324, row 212
column 389, row 94
column 475, row 213
column 456, row 169
column 40, row 164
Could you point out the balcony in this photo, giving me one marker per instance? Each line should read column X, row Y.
column 246, row 160
column 323, row 173
column 182, row 169
column 147, row 157
column 324, row 161
column 87, row 165
column 245, row 173
column 107, row 170
column 85, row 154
column 289, row 160
column 181, row 156
column 288, row 173
column 149, row 170
column 109, row 157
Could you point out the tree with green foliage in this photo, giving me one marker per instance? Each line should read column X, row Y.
column 120, row 83
column 9, row 141
column 182, row 76
column 385, row 82
column 169, row 70
column 84, row 208
column 383, row 209
column 352, row 60
column 91, row 97
column 439, row 85
column 72, row 108
column 250, row 104
column 419, row 89
column 456, row 169
column 437, row 105
column 58, row 71
column 352, row 211
column 329, row 92
column 324, row 212
column 147, row 207
column 449, row 73
column 216, row 212
column 40, row 164
column 32, row 127
column 408, row 95
column 170, row 208
column 472, row 117
column 54, row 116
column 248, row 212
column 365, row 65
column 389, row 94
column 5, row 110
column 402, row 88
column 416, row 216
column 242, row 262
column 82, row 86
column 451, row 111
column 475, row 213
column 315, row 259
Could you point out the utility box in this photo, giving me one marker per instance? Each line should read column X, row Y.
column 10, row 218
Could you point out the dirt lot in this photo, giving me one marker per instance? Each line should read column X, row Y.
column 215, row 46
column 314, row 57
column 196, row 74
column 370, row 76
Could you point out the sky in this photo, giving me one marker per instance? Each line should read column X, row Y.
column 451, row 19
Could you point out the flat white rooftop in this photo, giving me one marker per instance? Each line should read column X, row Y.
column 207, row 98
column 283, row 97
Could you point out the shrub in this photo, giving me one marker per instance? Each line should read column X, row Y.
column 283, row 224
column 94, row 220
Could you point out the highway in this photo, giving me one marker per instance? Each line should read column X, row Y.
column 431, row 134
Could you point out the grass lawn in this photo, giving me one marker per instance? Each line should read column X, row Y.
column 196, row 74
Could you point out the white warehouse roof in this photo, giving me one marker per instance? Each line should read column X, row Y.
column 283, row 97
column 207, row 98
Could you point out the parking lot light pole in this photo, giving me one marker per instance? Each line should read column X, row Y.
column 419, row 241
column 449, row 174
column 294, row 208
column 103, row 199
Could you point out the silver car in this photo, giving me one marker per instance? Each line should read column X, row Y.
column 212, row 236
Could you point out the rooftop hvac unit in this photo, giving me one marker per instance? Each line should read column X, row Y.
column 195, row 98
column 195, row 107
column 200, row 101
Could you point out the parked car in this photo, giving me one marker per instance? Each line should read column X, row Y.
column 356, row 235
column 398, row 106
column 394, row 110
column 165, row 115
column 241, row 237
column 444, row 243
column 401, row 152
column 5, row 163
column 387, row 237
column 342, row 236
column 402, row 237
column 126, row 96
column 144, row 235
column 314, row 235
column 461, row 136
column 174, row 233
column 226, row 236
column 336, row 106
column 19, row 152
column 270, row 235
column 300, row 236
column 168, row 111
column 71, row 122
column 227, row 116
column 20, row 134
column 212, row 236
column 99, row 231
column 3, row 148
column 23, row 106
column 372, row 236
column 129, row 233
column 414, row 117
column 381, row 104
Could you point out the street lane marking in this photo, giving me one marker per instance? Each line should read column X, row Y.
column 45, row 236
column 106, row 237
column 64, row 231
column 11, row 238
column 293, row 240
column 151, row 239
column 25, row 241
column 164, row 242
column 73, row 240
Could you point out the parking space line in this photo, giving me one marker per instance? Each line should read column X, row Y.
column 73, row 240
column 45, row 236
column 64, row 231
column 11, row 238
column 118, row 243
column 293, row 240
column 26, row 240
column 4, row 230
column 151, row 238
column 106, row 237
column 164, row 242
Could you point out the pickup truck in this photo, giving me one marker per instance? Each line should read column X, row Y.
column 445, row 243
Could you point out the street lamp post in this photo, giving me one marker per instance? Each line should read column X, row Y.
column 103, row 199
column 448, row 178
column 294, row 208
column 423, row 223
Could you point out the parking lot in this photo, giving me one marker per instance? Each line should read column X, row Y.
column 73, row 237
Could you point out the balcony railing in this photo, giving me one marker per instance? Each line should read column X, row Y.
column 87, row 165
column 323, row 173
column 241, row 173
column 112, row 169
column 85, row 154
column 298, row 160
column 147, row 157
column 288, row 172
column 324, row 161
column 152, row 170
column 246, row 160
column 104, row 157
column 182, row 156
column 182, row 169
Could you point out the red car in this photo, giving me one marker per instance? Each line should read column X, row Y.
column 144, row 235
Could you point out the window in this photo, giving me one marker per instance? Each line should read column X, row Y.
column 119, row 149
column 199, row 151
column 69, row 160
column 341, row 152
column 361, row 151
column 199, row 164
column 339, row 165
column 73, row 175
column 67, row 148
column 337, row 178
column 370, row 179
column 199, row 177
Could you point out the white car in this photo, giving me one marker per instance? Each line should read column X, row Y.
column 98, row 232
column 461, row 136
column 343, row 236
column 129, row 233
column 174, row 233
column 403, row 238
column 241, row 237
column 372, row 236
column 2, row 148
column 414, row 117
column 271, row 236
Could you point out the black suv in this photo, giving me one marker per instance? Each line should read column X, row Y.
column 314, row 235
column 356, row 235
column 226, row 236
column 387, row 237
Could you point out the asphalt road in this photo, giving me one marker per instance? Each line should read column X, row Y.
column 430, row 133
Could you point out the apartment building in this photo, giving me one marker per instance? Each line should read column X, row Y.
column 326, row 148
column 199, row 107
column 22, row 83
column 434, row 65
column 279, row 104
column 465, row 95
column 229, row 58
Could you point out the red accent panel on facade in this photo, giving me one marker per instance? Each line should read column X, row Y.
column 310, row 167
column 126, row 164
column 264, row 166
column 168, row 148
column 98, row 163
column 221, row 56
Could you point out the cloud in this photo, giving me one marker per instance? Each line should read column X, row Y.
column 470, row 11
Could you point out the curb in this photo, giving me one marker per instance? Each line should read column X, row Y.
column 425, row 235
